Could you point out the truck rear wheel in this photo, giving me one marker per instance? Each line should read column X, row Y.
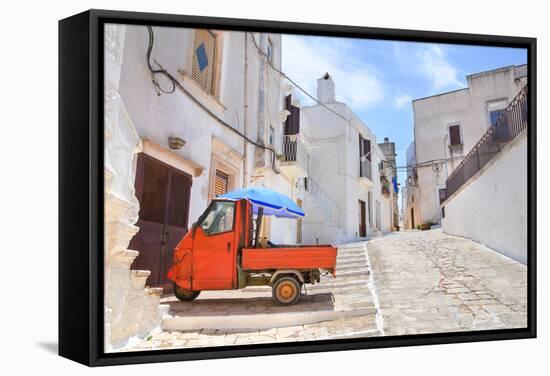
column 286, row 291
column 185, row 295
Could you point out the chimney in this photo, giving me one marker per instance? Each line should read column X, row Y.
column 325, row 89
column 386, row 139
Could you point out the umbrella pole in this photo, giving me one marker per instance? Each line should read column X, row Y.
column 259, row 217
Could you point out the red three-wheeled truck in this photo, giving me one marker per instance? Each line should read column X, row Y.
column 223, row 250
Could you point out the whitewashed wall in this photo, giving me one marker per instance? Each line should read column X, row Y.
column 491, row 208
column 130, row 309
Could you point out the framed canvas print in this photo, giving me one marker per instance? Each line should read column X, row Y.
column 239, row 187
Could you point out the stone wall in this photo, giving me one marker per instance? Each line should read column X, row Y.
column 130, row 308
column 491, row 208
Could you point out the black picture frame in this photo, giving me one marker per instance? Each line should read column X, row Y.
column 81, row 187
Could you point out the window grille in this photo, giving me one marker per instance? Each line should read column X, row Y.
column 204, row 60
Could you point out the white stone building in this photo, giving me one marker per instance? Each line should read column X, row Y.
column 411, row 213
column 170, row 148
column 343, row 197
column 390, row 178
column 448, row 125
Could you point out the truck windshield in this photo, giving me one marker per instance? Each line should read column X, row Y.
column 219, row 218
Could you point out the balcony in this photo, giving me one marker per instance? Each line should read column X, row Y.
column 365, row 172
column 294, row 160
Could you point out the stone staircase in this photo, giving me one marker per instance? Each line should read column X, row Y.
column 346, row 300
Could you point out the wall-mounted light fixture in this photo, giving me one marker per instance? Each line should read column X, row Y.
column 175, row 143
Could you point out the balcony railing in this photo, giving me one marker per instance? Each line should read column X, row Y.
column 508, row 126
column 365, row 169
column 294, row 154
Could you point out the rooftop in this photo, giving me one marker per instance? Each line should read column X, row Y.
column 519, row 71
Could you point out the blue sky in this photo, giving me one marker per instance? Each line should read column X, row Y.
column 379, row 79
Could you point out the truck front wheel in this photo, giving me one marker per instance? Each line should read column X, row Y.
column 185, row 295
column 286, row 291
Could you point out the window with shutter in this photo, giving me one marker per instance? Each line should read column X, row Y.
column 454, row 135
column 203, row 68
column 292, row 123
column 221, row 183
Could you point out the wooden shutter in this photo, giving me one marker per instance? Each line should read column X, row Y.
column 221, row 183
column 292, row 123
column 294, row 120
column 288, row 107
column 454, row 134
column 203, row 69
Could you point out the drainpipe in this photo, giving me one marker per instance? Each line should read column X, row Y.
column 261, row 96
column 245, row 143
column 445, row 151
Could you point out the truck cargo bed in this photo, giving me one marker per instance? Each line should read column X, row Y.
column 299, row 258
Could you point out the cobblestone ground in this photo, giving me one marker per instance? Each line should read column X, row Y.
column 348, row 294
column 429, row 282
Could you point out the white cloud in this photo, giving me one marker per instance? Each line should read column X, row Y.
column 401, row 100
column 305, row 59
column 429, row 61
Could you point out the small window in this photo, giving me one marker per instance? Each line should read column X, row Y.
column 220, row 218
column 442, row 195
column 494, row 116
column 203, row 69
column 221, row 183
column 271, row 135
column 454, row 135
column 306, row 186
column 442, row 212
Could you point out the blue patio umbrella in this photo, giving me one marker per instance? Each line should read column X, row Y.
column 273, row 203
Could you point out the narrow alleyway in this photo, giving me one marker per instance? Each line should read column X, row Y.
column 429, row 282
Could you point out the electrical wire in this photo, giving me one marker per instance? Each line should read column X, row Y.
column 177, row 84
column 154, row 72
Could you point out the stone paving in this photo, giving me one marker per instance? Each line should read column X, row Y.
column 429, row 282
column 348, row 296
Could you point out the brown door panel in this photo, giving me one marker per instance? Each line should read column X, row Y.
column 163, row 193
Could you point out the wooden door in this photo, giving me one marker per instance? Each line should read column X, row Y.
column 163, row 193
column 362, row 219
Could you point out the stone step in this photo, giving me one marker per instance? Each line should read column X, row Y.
column 350, row 266
column 351, row 251
column 351, row 245
column 138, row 278
column 351, row 259
column 357, row 334
column 351, row 273
column 258, row 321
column 338, row 284
column 154, row 291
